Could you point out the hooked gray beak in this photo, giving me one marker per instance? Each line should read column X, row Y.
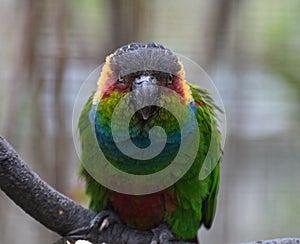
column 145, row 90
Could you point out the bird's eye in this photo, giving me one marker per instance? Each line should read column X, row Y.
column 170, row 80
column 121, row 79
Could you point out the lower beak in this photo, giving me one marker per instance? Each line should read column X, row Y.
column 145, row 90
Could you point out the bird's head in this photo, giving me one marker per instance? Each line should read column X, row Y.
column 151, row 80
column 142, row 69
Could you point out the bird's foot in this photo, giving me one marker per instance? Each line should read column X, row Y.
column 162, row 235
column 102, row 220
column 99, row 223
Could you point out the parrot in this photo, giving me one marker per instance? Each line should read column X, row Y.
column 190, row 202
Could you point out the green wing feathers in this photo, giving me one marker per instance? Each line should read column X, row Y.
column 197, row 199
column 99, row 195
column 210, row 204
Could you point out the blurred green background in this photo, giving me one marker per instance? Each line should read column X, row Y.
column 250, row 48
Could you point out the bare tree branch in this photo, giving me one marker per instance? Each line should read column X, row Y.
column 36, row 197
column 54, row 210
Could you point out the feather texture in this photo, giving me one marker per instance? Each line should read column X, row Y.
column 184, row 206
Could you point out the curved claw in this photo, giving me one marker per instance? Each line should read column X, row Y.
column 100, row 222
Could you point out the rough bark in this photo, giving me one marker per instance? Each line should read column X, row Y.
column 54, row 210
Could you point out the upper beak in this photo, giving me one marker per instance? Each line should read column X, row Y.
column 145, row 90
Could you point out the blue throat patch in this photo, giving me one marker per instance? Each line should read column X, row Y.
column 140, row 138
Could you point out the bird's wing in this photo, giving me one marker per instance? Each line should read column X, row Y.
column 196, row 198
column 99, row 195
column 202, row 96
column 210, row 204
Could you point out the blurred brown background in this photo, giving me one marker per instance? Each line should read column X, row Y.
column 251, row 50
